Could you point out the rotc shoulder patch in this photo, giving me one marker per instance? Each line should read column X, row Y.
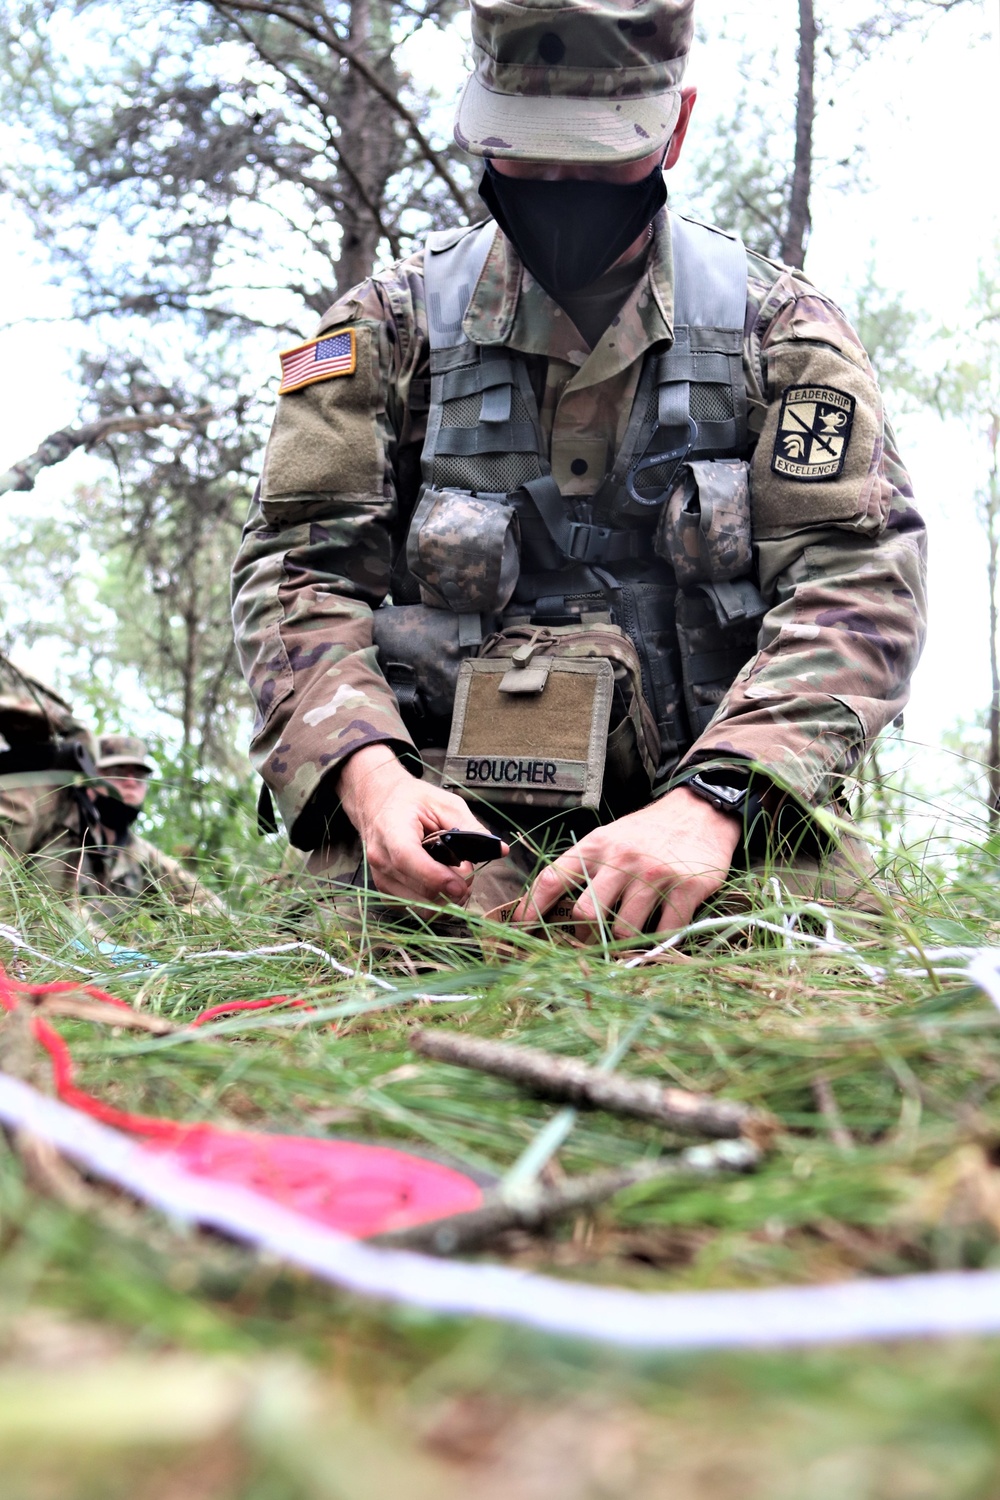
column 324, row 358
column 814, row 430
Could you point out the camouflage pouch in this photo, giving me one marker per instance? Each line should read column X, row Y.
column 705, row 533
column 704, row 527
column 464, row 551
column 420, row 651
column 533, row 714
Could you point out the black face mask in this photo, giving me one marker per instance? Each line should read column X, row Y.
column 114, row 813
column 568, row 233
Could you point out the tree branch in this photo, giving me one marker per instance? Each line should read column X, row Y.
column 575, row 1082
column 758, row 213
column 59, row 445
column 306, row 93
column 329, row 38
column 532, row 1208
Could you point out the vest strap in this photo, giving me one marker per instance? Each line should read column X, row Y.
column 710, row 276
column 710, row 294
column 488, row 437
column 469, row 380
column 578, row 541
column 451, row 269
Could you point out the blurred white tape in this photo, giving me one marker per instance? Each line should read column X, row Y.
column 984, row 971
column 900, row 1307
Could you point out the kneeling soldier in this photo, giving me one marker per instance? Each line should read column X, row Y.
column 654, row 572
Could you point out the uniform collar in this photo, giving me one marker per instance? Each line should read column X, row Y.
column 508, row 307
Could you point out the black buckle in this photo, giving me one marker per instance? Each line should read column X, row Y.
column 552, row 610
column 675, row 456
column 585, row 543
column 402, row 678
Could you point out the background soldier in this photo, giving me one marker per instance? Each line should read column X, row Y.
column 46, row 758
column 121, row 867
column 604, row 435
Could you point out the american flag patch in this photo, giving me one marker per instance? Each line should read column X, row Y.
column 320, row 359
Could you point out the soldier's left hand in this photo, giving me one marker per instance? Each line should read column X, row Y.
column 666, row 859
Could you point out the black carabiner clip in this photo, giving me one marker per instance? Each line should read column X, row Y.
column 675, row 456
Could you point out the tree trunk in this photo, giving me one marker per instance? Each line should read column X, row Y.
column 189, row 676
column 369, row 145
column 993, row 567
column 793, row 246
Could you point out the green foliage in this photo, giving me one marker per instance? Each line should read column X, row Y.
column 208, row 819
column 895, row 336
column 742, row 170
column 210, row 165
column 132, row 582
column 910, row 1060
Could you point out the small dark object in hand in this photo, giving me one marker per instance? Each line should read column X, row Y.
column 454, row 845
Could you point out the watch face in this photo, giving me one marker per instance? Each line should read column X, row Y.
column 730, row 794
column 723, row 798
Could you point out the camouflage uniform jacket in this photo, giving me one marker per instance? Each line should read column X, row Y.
column 113, row 874
column 840, row 563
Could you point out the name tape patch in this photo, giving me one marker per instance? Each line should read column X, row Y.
column 321, row 359
column 814, row 430
column 502, row 771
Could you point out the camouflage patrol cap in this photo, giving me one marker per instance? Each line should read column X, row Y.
column 574, row 80
column 123, row 750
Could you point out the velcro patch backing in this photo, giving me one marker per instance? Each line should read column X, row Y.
column 330, row 355
column 546, row 748
column 327, row 440
column 815, row 462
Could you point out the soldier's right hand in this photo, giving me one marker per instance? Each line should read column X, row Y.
column 393, row 812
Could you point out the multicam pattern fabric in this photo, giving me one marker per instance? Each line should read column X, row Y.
column 42, row 827
column 562, row 62
column 46, row 828
column 704, row 530
column 123, row 750
column 30, row 712
column 114, row 875
column 40, row 817
column 840, row 565
column 47, row 823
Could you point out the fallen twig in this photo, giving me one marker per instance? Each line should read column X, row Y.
column 830, row 1110
column 575, row 1082
column 51, row 1174
column 84, row 1009
column 532, row 1206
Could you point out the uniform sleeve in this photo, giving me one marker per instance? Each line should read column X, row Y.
column 840, row 551
column 315, row 562
column 170, row 878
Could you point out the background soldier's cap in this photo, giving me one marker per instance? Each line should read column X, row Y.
column 581, row 81
column 123, row 750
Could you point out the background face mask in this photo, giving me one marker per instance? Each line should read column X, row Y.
column 569, row 233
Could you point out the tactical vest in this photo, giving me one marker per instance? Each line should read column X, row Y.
column 494, row 544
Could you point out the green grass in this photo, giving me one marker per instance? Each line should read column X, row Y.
column 311, row 1392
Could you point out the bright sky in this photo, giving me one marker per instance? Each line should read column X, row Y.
column 929, row 113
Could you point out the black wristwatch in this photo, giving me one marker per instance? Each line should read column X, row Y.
column 739, row 802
